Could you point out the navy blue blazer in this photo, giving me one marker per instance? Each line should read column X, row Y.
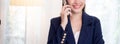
column 90, row 31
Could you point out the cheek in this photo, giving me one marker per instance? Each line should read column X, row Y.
column 83, row 1
column 70, row 2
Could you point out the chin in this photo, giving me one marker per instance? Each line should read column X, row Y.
column 77, row 10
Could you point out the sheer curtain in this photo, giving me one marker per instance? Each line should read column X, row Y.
column 108, row 11
column 24, row 22
column 15, row 33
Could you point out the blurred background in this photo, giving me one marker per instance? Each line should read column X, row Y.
column 28, row 21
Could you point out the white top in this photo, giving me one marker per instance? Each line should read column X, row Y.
column 76, row 35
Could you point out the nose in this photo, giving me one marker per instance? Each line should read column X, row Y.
column 77, row 1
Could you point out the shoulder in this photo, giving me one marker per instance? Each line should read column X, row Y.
column 93, row 18
column 89, row 19
column 55, row 22
column 56, row 19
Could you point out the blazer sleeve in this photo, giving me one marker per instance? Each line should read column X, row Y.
column 98, row 38
column 55, row 33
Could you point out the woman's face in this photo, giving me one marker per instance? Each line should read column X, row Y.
column 76, row 5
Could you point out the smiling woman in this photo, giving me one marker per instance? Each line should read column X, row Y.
column 109, row 14
column 75, row 26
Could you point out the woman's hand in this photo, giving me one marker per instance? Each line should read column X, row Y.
column 64, row 13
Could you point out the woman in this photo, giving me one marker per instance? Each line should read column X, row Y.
column 74, row 26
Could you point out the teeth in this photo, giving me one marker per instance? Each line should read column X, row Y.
column 76, row 6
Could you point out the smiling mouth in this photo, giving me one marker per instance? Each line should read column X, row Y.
column 76, row 6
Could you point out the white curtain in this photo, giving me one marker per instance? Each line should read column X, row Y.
column 16, row 25
column 108, row 11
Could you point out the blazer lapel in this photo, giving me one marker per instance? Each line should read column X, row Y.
column 84, row 33
column 85, row 30
column 70, row 37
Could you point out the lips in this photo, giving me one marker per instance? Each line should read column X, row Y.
column 76, row 6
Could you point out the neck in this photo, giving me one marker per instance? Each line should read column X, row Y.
column 76, row 16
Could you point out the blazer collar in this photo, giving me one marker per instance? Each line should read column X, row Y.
column 86, row 21
column 85, row 30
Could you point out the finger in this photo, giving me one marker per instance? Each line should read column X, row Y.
column 67, row 13
column 66, row 6
column 67, row 10
column 70, row 14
